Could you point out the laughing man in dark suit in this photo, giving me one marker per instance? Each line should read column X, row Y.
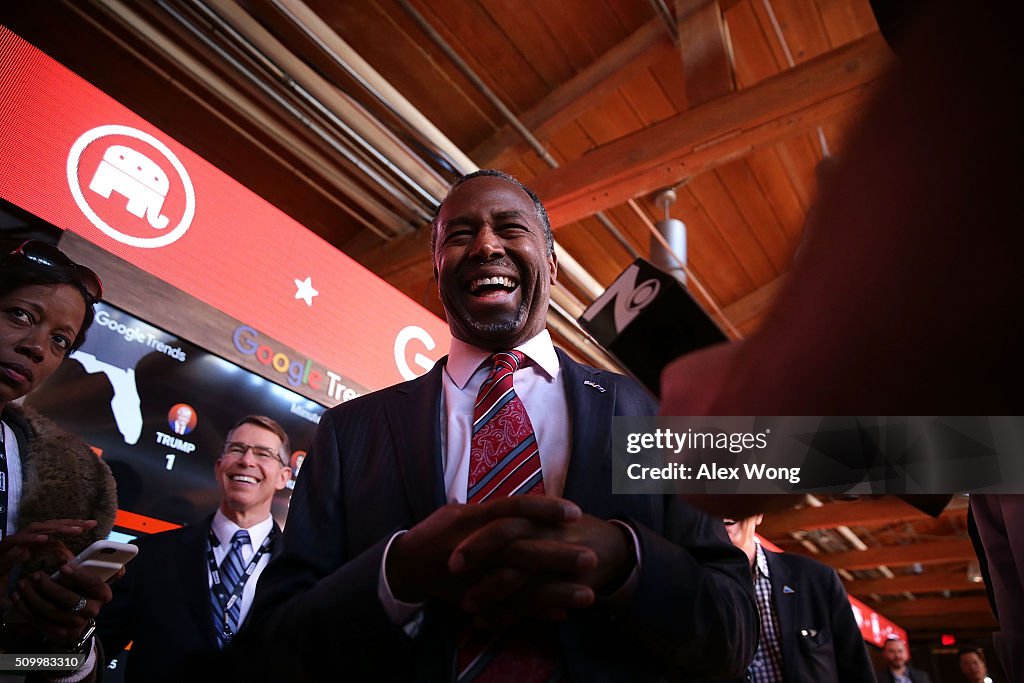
column 386, row 566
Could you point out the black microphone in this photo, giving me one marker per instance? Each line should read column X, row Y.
column 646, row 319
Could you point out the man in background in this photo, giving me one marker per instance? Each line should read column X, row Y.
column 973, row 665
column 897, row 669
column 189, row 590
column 808, row 632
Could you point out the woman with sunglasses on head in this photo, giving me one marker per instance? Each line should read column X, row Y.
column 56, row 496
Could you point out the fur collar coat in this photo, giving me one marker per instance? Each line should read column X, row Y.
column 61, row 477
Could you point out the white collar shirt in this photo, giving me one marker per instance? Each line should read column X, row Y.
column 13, row 482
column 538, row 383
column 224, row 529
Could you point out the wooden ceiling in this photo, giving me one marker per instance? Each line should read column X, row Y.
column 321, row 108
column 911, row 567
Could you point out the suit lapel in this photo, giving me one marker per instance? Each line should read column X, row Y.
column 414, row 421
column 196, row 578
column 589, row 478
column 784, row 596
column 277, row 545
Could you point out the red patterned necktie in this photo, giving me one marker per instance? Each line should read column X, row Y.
column 504, row 461
column 503, row 456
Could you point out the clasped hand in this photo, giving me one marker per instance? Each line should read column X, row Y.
column 510, row 559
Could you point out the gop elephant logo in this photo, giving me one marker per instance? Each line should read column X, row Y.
column 133, row 175
column 135, row 186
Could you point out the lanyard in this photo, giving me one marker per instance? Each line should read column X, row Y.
column 227, row 601
column 3, row 480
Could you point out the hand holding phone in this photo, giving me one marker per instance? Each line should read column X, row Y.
column 103, row 558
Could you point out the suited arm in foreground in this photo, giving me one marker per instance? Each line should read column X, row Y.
column 852, row 656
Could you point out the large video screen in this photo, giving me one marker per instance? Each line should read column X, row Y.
column 158, row 409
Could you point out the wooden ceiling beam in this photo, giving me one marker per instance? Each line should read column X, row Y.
column 643, row 48
column 941, row 623
column 925, row 552
column 870, row 513
column 706, row 51
column 689, row 143
column 933, row 606
column 914, row 583
column 715, row 133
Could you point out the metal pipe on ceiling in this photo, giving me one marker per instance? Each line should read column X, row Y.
column 822, row 141
column 690, row 277
column 579, row 275
column 283, row 102
column 324, row 37
column 373, row 138
column 674, row 232
column 603, row 219
column 341, row 53
column 344, row 114
column 509, row 116
column 665, row 14
column 477, row 82
column 536, row 145
column 563, row 301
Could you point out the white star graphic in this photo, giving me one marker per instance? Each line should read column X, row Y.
column 304, row 290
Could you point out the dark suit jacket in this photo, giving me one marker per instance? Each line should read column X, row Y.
column 375, row 467
column 162, row 604
column 819, row 635
column 916, row 675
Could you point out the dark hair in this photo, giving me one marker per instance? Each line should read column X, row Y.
column 971, row 650
column 271, row 426
column 17, row 272
column 542, row 213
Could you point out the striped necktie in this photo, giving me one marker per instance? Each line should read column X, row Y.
column 504, row 461
column 503, row 456
column 231, row 570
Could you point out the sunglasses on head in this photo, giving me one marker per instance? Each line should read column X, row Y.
column 49, row 256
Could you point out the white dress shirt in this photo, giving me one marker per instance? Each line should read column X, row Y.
column 224, row 529
column 537, row 383
column 539, row 387
column 13, row 480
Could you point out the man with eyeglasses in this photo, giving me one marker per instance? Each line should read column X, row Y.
column 190, row 589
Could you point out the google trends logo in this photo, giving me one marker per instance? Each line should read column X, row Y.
column 119, row 176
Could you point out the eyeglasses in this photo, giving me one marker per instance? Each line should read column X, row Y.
column 44, row 254
column 237, row 449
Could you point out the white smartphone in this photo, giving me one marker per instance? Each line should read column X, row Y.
column 104, row 558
